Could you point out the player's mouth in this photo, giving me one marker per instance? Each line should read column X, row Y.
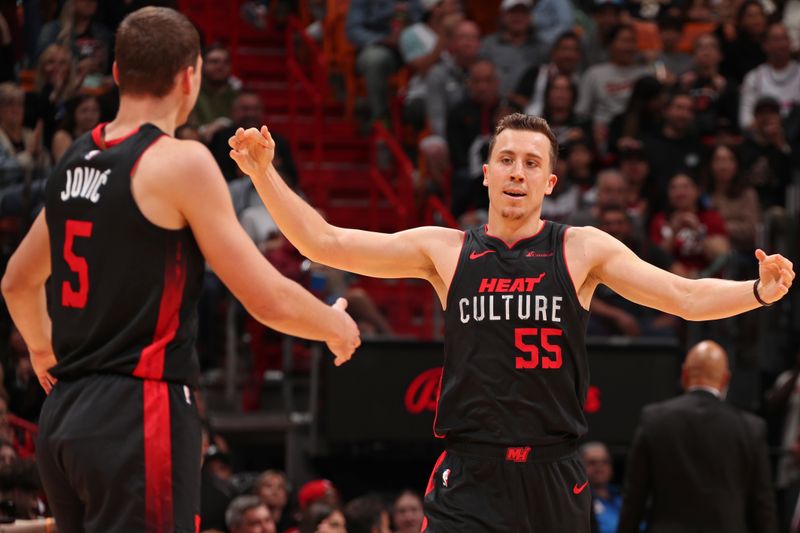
column 514, row 194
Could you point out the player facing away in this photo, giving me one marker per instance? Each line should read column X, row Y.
column 516, row 295
column 131, row 216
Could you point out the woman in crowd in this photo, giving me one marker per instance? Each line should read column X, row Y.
column 82, row 115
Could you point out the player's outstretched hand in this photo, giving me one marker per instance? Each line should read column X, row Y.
column 349, row 337
column 42, row 363
column 776, row 274
column 252, row 149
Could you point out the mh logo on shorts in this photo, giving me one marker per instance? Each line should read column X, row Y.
column 518, row 455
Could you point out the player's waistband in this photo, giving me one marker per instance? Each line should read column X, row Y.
column 515, row 454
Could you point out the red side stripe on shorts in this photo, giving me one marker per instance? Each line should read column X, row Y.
column 197, row 523
column 157, row 458
column 430, row 485
column 151, row 362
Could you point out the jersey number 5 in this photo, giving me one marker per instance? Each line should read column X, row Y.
column 553, row 357
column 69, row 296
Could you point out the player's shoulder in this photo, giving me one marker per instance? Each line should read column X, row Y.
column 181, row 160
column 437, row 236
column 587, row 235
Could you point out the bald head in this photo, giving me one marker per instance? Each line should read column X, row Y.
column 706, row 365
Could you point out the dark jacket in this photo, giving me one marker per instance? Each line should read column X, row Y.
column 704, row 464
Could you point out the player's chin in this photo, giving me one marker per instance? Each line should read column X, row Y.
column 513, row 213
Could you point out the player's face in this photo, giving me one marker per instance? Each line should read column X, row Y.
column 518, row 174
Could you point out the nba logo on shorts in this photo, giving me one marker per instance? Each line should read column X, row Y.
column 445, row 477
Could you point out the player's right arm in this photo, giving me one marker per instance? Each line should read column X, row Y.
column 196, row 187
column 416, row 253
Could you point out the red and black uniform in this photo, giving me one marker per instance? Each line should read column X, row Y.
column 119, row 442
column 511, row 399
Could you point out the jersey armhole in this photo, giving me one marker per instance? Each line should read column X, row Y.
column 571, row 288
column 455, row 271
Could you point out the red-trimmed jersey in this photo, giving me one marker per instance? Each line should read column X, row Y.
column 515, row 370
column 123, row 292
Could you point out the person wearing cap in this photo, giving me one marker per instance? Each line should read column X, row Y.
column 516, row 46
column 702, row 462
column 779, row 77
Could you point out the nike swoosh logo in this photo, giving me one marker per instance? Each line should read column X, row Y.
column 475, row 255
column 577, row 490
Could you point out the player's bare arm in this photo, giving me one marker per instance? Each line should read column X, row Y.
column 24, row 293
column 190, row 181
column 595, row 257
column 429, row 253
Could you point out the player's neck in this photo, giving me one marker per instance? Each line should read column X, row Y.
column 135, row 111
column 513, row 230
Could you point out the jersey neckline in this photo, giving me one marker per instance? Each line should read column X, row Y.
column 511, row 246
column 98, row 134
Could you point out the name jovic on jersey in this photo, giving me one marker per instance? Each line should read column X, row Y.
column 84, row 182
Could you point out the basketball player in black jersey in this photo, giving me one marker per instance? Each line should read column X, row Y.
column 516, row 295
column 131, row 216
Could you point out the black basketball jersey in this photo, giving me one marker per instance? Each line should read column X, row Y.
column 123, row 291
column 515, row 368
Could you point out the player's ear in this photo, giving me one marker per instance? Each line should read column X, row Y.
column 115, row 73
column 485, row 169
column 551, row 184
column 187, row 79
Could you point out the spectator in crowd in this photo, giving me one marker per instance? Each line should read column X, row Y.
column 611, row 189
column 446, row 86
column 783, row 398
column 741, row 45
column 317, row 490
column 421, row 46
column 791, row 19
column 56, row 82
column 715, row 97
column 692, row 234
column 217, row 491
column 559, row 111
column 247, row 514
column 553, row 18
column 469, row 128
column 407, row 515
column 374, row 28
column 82, row 115
column 565, row 199
column 642, row 116
column 778, row 77
column 671, row 59
column 674, row 147
column 21, row 150
column 446, row 82
column 767, row 154
column 606, row 87
column 614, row 315
column 737, row 203
column 635, row 168
column 90, row 42
column 605, row 16
column 322, row 518
column 7, row 453
column 580, row 167
column 247, row 111
column 212, row 111
column 702, row 462
column 606, row 498
column 367, row 514
column 273, row 488
column 565, row 60
column 516, row 46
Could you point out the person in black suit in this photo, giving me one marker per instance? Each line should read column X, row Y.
column 702, row 462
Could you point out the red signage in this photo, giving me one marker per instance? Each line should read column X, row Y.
column 592, row 400
column 422, row 392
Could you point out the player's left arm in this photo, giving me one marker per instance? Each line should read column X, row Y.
column 613, row 264
column 24, row 292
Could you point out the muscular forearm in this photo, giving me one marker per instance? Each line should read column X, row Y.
column 28, row 309
column 294, row 311
column 298, row 221
column 713, row 299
